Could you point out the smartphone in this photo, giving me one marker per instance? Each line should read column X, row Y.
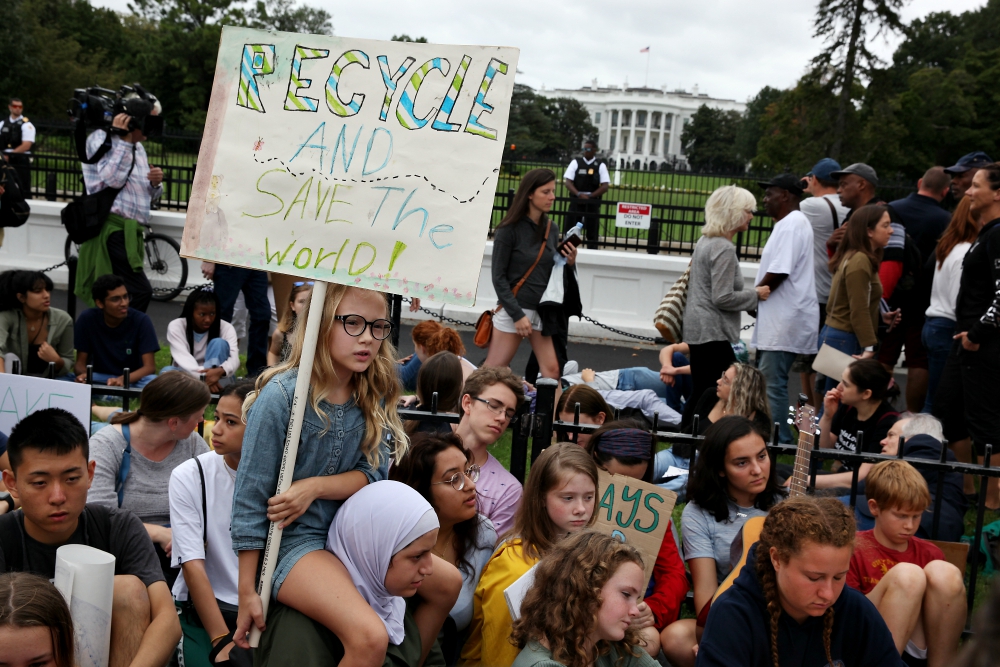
column 572, row 240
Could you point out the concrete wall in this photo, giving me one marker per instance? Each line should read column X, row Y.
column 620, row 289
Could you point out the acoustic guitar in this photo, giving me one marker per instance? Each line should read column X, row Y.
column 804, row 418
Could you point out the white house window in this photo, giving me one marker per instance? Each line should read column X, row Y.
column 611, row 143
column 597, row 118
column 638, row 144
column 626, row 118
column 640, row 119
column 652, row 144
column 614, row 118
column 625, row 141
column 656, row 120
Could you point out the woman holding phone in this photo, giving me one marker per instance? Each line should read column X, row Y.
column 524, row 251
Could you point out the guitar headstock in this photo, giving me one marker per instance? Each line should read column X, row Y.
column 803, row 418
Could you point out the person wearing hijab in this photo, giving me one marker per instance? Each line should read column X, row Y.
column 383, row 535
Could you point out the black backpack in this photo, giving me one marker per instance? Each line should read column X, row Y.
column 97, row 528
column 14, row 210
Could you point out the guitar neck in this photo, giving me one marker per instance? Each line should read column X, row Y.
column 803, row 455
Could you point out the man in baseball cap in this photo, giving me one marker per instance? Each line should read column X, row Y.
column 856, row 185
column 962, row 172
column 787, row 327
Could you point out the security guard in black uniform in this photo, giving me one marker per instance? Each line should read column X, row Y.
column 586, row 179
column 17, row 135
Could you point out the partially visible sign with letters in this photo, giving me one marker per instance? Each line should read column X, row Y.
column 635, row 512
column 352, row 161
column 20, row 395
column 634, row 216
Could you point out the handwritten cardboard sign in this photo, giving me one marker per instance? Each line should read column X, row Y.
column 635, row 512
column 352, row 161
column 20, row 395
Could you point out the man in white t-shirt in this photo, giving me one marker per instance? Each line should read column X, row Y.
column 587, row 179
column 201, row 503
column 825, row 214
column 787, row 322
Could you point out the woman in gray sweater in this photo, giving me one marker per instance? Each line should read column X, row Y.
column 716, row 295
column 136, row 454
column 525, row 236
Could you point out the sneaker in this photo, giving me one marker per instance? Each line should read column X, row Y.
column 571, row 367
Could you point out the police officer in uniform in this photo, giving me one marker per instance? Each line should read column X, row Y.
column 586, row 179
column 17, row 135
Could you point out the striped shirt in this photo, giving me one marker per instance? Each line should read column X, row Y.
column 109, row 172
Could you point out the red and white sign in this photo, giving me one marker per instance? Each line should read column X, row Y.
column 634, row 216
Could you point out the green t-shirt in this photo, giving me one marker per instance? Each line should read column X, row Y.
column 536, row 655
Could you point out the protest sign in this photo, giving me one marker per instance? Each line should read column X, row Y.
column 352, row 161
column 20, row 395
column 635, row 512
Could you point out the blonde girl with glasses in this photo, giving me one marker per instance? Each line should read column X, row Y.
column 559, row 500
column 443, row 472
column 489, row 400
column 349, row 418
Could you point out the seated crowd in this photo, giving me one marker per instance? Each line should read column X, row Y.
column 401, row 540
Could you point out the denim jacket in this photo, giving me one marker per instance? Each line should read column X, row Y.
column 336, row 451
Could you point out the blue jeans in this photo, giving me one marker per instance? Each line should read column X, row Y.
column 640, row 377
column 102, row 378
column 216, row 352
column 408, row 373
column 844, row 341
column 937, row 340
column 229, row 282
column 775, row 365
column 664, row 459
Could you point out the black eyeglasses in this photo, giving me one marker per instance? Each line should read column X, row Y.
column 496, row 407
column 457, row 480
column 355, row 325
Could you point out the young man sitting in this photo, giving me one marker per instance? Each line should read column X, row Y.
column 49, row 475
column 490, row 398
column 920, row 595
column 113, row 337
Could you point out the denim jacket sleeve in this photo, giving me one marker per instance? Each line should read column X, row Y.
column 257, row 478
column 375, row 474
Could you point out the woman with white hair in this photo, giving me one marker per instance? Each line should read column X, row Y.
column 716, row 295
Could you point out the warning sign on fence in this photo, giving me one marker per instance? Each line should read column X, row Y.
column 633, row 216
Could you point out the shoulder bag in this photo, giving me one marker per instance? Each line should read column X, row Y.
column 484, row 325
column 669, row 317
column 84, row 217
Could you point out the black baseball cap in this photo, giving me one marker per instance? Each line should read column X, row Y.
column 859, row 169
column 974, row 160
column 786, row 182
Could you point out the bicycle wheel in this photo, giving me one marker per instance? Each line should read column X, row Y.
column 165, row 268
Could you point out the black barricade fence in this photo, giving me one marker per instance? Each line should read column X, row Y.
column 533, row 430
column 677, row 195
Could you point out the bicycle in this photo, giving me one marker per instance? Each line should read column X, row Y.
column 166, row 270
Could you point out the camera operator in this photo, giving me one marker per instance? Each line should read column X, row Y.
column 17, row 135
column 118, row 249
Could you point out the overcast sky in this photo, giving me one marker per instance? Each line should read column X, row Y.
column 729, row 48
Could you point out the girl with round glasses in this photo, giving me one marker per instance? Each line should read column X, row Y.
column 443, row 472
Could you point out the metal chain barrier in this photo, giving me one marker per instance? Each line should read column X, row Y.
column 54, row 267
column 660, row 341
column 186, row 288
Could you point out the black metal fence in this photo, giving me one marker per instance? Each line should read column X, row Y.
column 533, row 429
column 677, row 196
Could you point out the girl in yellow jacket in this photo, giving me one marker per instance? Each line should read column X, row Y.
column 559, row 499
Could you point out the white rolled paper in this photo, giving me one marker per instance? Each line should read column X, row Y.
column 86, row 578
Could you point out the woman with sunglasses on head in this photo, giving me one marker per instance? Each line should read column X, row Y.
column 490, row 399
column 442, row 471
column 524, row 251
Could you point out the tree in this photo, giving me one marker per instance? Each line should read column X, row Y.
column 545, row 128
column 751, row 130
column 283, row 15
column 709, row 140
column 407, row 38
column 844, row 25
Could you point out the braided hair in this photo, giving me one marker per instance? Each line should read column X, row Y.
column 823, row 521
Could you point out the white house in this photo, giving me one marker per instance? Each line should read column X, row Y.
column 641, row 126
